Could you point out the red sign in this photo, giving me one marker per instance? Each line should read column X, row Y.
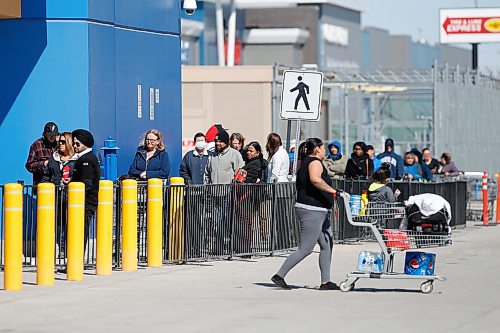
column 471, row 25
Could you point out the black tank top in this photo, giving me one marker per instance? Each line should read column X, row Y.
column 307, row 193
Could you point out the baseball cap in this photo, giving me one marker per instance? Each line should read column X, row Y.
column 50, row 129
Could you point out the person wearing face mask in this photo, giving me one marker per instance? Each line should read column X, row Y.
column 193, row 164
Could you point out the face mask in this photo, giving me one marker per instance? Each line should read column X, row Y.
column 200, row 145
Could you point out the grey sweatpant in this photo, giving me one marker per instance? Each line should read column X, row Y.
column 314, row 228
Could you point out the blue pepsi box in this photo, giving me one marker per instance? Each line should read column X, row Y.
column 371, row 262
column 419, row 263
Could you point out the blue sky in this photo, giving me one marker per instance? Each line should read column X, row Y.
column 420, row 19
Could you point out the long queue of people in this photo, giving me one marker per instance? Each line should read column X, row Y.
column 220, row 158
column 363, row 163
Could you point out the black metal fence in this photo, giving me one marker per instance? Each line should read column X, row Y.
column 203, row 222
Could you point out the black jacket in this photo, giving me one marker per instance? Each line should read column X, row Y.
column 88, row 172
column 255, row 169
column 55, row 167
column 357, row 167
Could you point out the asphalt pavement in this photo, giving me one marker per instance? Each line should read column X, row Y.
column 238, row 296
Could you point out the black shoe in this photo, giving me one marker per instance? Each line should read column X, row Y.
column 62, row 270
column 280, row 282
column 329, row 286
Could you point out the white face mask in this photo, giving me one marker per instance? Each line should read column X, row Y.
column 200, row 145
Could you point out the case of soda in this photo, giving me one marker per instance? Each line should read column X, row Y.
column 419, row 263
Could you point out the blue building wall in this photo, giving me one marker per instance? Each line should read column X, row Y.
column 78, row 63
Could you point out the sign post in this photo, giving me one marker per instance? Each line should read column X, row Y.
column 300, row 100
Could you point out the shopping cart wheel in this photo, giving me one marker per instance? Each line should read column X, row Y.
column 427, row 287
column 346, row 287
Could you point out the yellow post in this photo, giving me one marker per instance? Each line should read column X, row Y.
column 176, row 232
column 129, row 225
column 76, row 221
column 13, row 219
column 104, row 263
column 155, row 219
column 45, row 234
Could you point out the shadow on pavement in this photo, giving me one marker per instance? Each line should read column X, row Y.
column 272, row 285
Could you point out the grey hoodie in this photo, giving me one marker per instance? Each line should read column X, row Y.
column 221, row 166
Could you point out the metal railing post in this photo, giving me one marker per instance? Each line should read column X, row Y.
column 76, row 221
column 45, row 234
column 104, row 262
column 13, row 219
column 129, row 225
column 154, row 220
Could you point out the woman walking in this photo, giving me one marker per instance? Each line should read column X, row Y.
column 314, row 200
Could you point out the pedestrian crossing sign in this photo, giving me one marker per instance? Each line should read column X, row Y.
column 301, row 95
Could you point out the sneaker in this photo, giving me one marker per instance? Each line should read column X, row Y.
column 280, row 282
column 329, row 286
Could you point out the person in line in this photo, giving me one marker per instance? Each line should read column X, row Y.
column 87, row 171
column 60, row 170
column 314, row 201
column 396, row 161
column 334, row 162
column 62, row 162
column 193, row 164
column 151, row 159
column 40, row 152
column 237, row 141
column 359, row 166
column 192, row 169
column 431, row 162
column 279, row 163
column 426, row 172
column 210, row 137
column 277, row 173
column 248, row 199
column 378, row 191
column 221, row 168
column 371, row 153
column 413, row 171
column 449, row 168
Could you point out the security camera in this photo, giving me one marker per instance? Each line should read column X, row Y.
column 189, row 6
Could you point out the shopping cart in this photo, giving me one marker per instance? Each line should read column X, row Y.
column 391, row 241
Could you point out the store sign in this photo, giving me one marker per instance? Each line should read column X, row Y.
column 335, row 34
column 470, row 25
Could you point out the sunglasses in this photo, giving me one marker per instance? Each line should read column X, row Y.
column 76, row 144
column 62, row 141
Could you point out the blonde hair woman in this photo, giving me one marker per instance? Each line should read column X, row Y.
column 62, row 161
column 151, row 159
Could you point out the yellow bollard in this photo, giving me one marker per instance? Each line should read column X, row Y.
column 104, row 262
column 13, row 219
column 76, row 221
column 129, row 225
column 45, row 234
column 155, row 219
column 176, row 232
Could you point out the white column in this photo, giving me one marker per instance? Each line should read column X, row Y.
column 231, row 35
column 219, row 22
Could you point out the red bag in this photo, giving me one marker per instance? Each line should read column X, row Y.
column 240, row 175
column 397, row 239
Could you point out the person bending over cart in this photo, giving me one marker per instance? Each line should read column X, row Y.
column 314, row 200
column 429, row 213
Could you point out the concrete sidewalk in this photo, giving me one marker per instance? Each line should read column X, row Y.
column 238, row 296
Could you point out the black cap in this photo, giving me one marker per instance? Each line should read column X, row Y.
column 50, row 129
column 389, row 142
column 369, row 147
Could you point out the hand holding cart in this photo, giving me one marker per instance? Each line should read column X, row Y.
column 391, row 241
